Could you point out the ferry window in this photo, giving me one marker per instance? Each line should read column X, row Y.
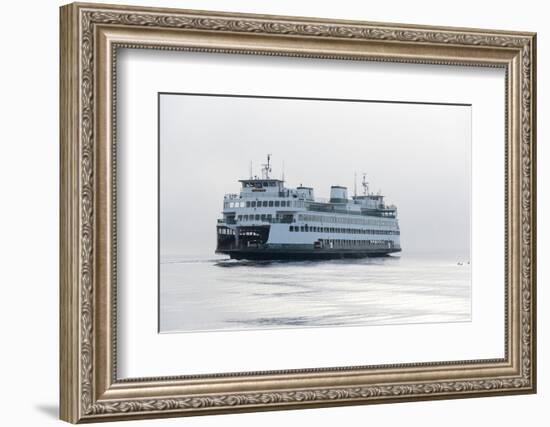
column 247, row 204
column 271, row 203
column 265, row 204
column 301, row 228
column 269, row 217
column 253, row 204
column 257, row 217
column 276, row 203
column 263, row 217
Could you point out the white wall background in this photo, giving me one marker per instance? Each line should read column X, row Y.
column 29, row 170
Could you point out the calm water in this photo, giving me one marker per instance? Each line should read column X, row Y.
column 215, row 293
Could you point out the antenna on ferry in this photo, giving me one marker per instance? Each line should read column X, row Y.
column 354, row 184
column 283, row 173
column 365, row 185
column 250, row 169
column 266, row 168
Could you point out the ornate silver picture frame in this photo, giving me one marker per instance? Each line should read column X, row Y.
column 92, row 36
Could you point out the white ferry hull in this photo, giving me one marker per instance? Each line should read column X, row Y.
column 275, row 242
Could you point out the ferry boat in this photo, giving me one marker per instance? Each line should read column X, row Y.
column 268, row 221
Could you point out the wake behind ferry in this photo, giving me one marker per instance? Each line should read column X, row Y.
column 268, row 221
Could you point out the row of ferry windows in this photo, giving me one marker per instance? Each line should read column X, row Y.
column 259, row 204
column 314, row 229
column 346, row 242
column 342, row 220
column 257, row 217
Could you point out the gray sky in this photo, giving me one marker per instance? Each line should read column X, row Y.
column 417, row 155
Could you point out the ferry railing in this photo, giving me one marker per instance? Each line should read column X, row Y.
column 255, row 221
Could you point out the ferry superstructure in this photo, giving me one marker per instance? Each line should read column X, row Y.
column 267, row 221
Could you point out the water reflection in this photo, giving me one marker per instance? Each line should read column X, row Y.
column 206, row 293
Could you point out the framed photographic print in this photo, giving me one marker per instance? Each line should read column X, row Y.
column 265, row 212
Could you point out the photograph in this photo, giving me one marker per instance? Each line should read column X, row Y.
column 279, row 212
